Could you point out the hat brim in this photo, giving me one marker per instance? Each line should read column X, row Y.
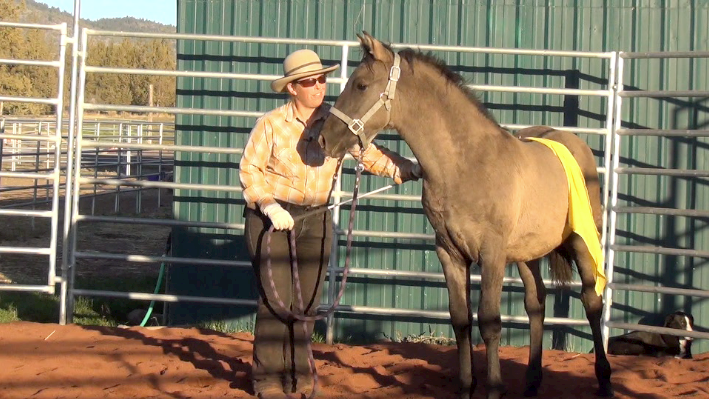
column 279, row 85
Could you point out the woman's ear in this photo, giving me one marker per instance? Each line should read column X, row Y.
column 290, row 89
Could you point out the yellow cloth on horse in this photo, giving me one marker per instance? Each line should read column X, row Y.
column 580, row 213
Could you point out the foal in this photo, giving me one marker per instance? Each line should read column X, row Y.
column 491, row 198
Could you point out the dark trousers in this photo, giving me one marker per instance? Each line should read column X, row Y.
column 280, row 356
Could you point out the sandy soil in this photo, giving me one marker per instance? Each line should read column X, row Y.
column 53, row 361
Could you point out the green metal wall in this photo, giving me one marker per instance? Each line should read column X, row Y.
column 592, row 25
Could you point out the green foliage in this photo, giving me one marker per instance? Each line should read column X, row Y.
column 19, row 80
column 42, row 82
column 131, row 89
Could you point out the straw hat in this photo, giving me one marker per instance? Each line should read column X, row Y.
column 300, row 64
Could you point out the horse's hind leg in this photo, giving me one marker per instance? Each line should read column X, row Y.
column 534, row 297
column 457, row 273
column 594, row 308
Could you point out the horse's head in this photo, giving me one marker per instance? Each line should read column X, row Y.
column 363, row 108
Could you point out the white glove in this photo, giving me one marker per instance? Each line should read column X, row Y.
column 281, row 219
column 416, row 171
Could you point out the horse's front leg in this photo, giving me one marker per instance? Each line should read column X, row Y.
column 457, row 273
column 534, row 297
column 492, row 267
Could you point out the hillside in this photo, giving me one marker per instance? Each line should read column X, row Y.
column 44, row 14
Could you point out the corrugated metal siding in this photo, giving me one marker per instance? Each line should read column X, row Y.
column 595, row 25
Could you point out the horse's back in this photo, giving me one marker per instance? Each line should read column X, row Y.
column 583, row 155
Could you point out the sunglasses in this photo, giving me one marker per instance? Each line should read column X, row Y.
column 310, row 82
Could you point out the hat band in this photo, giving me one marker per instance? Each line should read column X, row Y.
column 294, row 70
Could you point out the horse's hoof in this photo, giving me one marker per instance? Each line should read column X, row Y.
column 605, row 392
column 496, row 393
column 531, row 391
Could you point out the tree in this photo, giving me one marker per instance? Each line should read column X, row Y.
column 25, row 81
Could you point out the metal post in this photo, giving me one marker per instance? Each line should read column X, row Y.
column 610, row 259
column 160, row 163
column 38, row 148
column 119, row 157
column 337, row 197
column 77, row 172
column 13, row 148
column 65, row 303
column 139, row 167
column 128, row 140
column 608, row 148
column 96, row 165
column 2, row 143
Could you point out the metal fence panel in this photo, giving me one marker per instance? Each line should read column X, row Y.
column 594, row 26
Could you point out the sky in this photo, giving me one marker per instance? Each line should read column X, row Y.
column 163, row 11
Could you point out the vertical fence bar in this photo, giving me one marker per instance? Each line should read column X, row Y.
column 160, row 176
column 139, row 170
column 77, row 172
column 613, row 216
column 337, row 197
column 119, row 158
column 65, row 310
column 38, row 149
column 608, row 145
column 2, row 144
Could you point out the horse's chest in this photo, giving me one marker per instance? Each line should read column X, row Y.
column 452, row 229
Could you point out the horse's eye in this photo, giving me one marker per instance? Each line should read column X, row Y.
column 361, row 87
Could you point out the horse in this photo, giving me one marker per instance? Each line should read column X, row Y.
column 491, row 198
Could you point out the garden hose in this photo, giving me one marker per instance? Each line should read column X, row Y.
column 168, row 246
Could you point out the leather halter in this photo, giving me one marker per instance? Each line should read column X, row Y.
column 356, row 126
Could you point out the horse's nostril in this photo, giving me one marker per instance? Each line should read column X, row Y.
column 321, row 141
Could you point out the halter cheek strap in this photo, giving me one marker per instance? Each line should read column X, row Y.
column 356, row 126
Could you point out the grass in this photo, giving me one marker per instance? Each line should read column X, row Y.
column 97, row 311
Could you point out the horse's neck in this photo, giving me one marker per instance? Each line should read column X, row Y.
column 444, row 129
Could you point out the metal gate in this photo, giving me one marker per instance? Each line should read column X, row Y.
column 50, row 172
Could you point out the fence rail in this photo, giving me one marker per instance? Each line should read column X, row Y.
column 125, row 146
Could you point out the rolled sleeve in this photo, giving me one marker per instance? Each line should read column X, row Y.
column 381, row 161
column 253, row 164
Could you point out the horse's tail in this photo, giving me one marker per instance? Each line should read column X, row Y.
column 561, row 267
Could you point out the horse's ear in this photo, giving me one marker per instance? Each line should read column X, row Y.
column 373, row 46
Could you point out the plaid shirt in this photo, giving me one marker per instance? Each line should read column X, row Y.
column 283, row 160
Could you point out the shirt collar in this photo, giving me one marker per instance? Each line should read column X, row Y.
column 320, row 113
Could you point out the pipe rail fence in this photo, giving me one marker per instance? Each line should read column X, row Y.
column 50, row 172
column 91, row 147
column 619, row 134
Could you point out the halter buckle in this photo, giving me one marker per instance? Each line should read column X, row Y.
column 356, row 126
column 394, row 73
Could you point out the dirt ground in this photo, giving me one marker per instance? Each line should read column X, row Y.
column 53, row 361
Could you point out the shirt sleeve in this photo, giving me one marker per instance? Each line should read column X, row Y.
column 381, row 161
column 253, row 164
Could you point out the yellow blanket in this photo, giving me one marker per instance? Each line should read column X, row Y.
column 580, row 214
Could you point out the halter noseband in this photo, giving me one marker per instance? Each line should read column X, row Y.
column 356, row 126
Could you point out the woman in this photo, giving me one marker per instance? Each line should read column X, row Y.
column 284, row 173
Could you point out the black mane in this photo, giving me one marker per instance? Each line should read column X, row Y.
column 453, row 78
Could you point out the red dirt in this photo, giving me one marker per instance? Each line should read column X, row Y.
column 53, row 361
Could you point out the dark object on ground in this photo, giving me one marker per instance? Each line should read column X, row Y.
column 642, row 343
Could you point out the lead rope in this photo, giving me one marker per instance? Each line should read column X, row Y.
column 287, row 315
